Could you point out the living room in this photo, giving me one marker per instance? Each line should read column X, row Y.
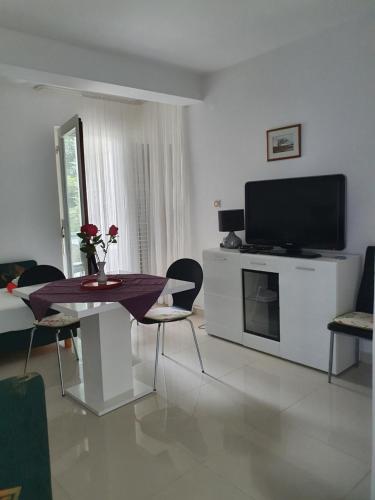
column 193, row 91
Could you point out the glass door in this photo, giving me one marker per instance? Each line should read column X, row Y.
column 261, row 303
column 72, row 193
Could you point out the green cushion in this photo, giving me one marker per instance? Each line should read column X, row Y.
column 11, row 270
column 24, row 456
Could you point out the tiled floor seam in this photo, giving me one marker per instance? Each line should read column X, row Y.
column 341, row 497
column 314, row 438
column 61, row 485
column 229, row 481
column 365, row 462
column 300, row 400
column 336, row 448
column 217, row 379
column 354, row 487
column 166, row 486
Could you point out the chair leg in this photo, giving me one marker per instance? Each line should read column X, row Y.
column 357, row 350
column 59, row 361
column 29, row 351
column 162, row 339
column 331, row 344
column 196, row 344
column 74, row 344
column 156, row 356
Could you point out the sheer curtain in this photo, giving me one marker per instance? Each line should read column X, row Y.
column 138, row 180
column 109, row 128
column 169, row 209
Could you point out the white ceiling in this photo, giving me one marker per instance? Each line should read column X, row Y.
column 203, row 35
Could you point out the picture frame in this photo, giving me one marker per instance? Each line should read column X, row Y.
column 284, row 143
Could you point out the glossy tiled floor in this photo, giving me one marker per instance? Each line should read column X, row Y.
column 256, row 428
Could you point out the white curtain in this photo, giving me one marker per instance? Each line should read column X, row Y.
column 138, row 180
column 169, row 227
column 108, row 130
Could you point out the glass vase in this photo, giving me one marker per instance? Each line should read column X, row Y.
column 101, row 277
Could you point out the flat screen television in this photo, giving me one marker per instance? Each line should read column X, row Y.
column 302, row 212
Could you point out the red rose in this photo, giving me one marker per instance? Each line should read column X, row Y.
column 113, row 230
column 92, row 230
column 89, row 229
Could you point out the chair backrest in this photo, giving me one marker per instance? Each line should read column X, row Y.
column 365, row 298
column 24, row 455
column 40, row 274
column 187, row 270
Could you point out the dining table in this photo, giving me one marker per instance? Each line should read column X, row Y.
column 107, row 381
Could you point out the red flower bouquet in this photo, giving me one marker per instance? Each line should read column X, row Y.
column 91, row 238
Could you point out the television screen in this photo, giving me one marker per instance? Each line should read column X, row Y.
column 300, row 212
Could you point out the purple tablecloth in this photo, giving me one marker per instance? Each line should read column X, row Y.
column 137, row 293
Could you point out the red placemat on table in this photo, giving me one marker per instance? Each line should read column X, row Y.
column 137, row 293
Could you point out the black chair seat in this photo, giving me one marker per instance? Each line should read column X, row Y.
column 350, row 330
column 149, row 321
column 358, row 323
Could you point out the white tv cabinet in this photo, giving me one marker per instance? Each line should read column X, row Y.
column 311, row 293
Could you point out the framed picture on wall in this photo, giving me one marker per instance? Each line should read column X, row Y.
column 284, row 143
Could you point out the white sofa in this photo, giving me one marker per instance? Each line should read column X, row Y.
column 14, row 313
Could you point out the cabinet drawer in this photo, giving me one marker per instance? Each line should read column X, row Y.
column 222, row 273
column 261, row 263
column 309, row 291
column 226, row 311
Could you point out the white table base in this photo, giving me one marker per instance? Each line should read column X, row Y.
column 100, row 407
column 107, row 363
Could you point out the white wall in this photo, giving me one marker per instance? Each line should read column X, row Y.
column 29, row 213
column 326, row 83
column 42, row 60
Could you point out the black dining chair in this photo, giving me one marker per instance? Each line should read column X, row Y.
column 358, row 323
column 62, row 325
column 182, row 308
